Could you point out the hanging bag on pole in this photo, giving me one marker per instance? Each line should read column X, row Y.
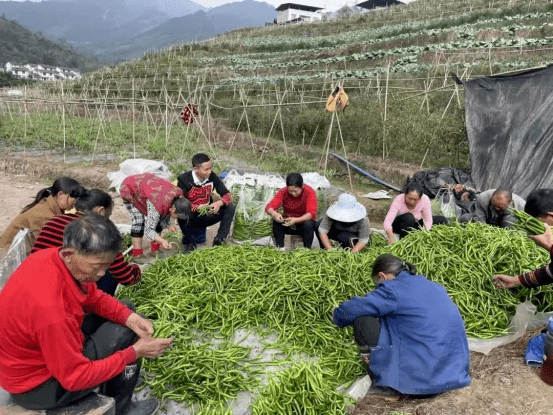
column 337, row 100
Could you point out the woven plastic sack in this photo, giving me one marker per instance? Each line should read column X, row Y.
column 251, row 223
column 19, row 250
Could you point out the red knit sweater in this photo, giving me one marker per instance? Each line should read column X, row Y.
column 51, row 236
column 41, row 313
column 294, row 207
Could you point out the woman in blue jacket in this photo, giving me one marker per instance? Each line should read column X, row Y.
column 408, row 331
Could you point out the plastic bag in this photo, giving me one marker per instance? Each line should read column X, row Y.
column 19, row 250
column 138, row 166
column 448, row 206
column 525, row 318
column 315, row 180
column 251, row 223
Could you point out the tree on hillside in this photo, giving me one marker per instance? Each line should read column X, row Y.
column 7, row 79
column 345, row 12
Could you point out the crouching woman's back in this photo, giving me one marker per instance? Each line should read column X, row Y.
column 409, row 331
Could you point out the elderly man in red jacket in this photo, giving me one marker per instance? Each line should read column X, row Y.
column 46, row 360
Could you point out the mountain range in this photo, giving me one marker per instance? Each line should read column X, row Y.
column 113, row 30
column 18, row 45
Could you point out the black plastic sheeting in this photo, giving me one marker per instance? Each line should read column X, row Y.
column 433, row 180
column 510, row 130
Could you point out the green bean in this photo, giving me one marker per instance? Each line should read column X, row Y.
column 204, row 210
column 527, row 223
column 202, row 298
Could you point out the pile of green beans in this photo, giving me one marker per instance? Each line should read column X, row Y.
column 302, row 388
column 377, row 240
column 204, row 210
column 251, row 222
column 527, row 223
column 250, row 230
column 208, row 294
column 464, row 259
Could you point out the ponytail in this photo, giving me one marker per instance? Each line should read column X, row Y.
column 91, row 199
column 65, row 185
column 390, row 264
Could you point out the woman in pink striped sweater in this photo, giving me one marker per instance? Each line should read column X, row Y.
column 410, row 210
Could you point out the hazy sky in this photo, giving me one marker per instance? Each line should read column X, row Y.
column 331, row 5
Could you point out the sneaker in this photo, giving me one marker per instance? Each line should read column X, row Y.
column 146, row 407
column 281, row 248
column 186, row 248
column 218, row 242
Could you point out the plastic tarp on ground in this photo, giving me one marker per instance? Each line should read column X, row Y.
column 510, row 130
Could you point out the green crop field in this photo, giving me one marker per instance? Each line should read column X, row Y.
column 271, row 84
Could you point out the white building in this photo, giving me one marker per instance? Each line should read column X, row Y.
column 42, row 72
column 294, row 13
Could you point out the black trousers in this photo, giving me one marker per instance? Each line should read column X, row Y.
column 366, row 331
column 103, row 338
column 403, row 223
column 305, row 230
column 343, row 237
column 225, row 216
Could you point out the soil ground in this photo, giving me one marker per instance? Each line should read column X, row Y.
column 502, row 384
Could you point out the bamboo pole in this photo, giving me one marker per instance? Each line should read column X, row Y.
column 385, row 114
column 345, row 152
column 133, row 132
column 63, row 120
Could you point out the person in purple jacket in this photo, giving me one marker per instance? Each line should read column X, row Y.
column 408, row 331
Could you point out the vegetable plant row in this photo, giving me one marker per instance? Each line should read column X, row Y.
column 381, row 33
column 202, row 298
column 403, row 66
column 466, row 31
column 382, row 53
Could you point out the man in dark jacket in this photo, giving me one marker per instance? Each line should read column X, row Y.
column 492, row 208
column 198, row 186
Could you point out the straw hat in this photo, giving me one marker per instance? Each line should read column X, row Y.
column 347, row 209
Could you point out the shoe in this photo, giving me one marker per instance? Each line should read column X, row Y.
column 146, row 407
column 186, row 248
column 154, row 247
column 142, row 259
column 218, row 242
column 281, row 248
column 382, row 391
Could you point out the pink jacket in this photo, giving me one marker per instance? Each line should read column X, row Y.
column 421, row 211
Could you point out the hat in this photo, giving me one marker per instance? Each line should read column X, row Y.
column 347, row 209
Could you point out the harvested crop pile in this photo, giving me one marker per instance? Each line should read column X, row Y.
column 202, row 298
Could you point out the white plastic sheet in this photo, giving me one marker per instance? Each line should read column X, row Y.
column 19, row 250
column 525, row 318
column 314, row 180
column 253, row 179
column 138, row 166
